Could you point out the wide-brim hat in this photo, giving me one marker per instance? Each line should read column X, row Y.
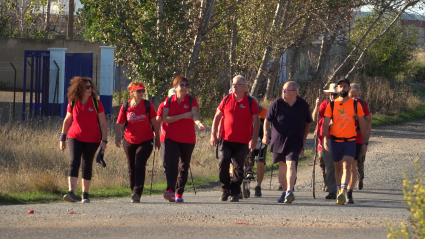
column 332, row 89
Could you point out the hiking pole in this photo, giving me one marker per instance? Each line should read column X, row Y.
column 193, row 184
column 316, row 145
column 153, row 165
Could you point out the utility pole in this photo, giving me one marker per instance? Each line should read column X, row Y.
column 71, row 9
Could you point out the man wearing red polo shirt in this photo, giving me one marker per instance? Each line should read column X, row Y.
column 237, row 136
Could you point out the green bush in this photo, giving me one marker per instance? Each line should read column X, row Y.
column 414, row 73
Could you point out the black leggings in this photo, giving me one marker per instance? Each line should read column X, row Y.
column 137, row 156
column 176, row 171
column 78, row 149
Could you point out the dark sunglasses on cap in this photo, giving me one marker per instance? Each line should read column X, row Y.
column 140, row 91
column 184, row 85
column 89, row 86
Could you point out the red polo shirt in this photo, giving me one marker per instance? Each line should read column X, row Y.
column 181, row 131
column 237, row 119
column 359, row 139
column 163, row 125
column 138, row 128
column 84, row 125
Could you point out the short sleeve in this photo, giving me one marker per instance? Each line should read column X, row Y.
column 68, row 108
column 121, row 116
column 166, row 105
column 152, row 111
column 254, row 108
column 195, row 103
column 322, row 109
column 328, row 112
column 101, row 109
column 160, row 107
column 308, row 118
column 221, row 106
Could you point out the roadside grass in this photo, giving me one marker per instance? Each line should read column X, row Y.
column 97, row 193
column 400, row 117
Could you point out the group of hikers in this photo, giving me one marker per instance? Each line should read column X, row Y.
column 241, row 128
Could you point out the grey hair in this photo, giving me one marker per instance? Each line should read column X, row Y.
column 355, row 86
column 240, row 77
column 294, row 85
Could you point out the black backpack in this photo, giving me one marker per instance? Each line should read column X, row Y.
column 148, row 111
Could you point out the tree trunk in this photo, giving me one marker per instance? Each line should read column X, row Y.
column 261, row 74
column 71, row 8
column 205, row 18
column 160, row 37
column 232, row 55
column 273, row 74
column 47, row 22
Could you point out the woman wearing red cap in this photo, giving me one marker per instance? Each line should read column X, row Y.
column 179, row 113
column 138, row 115
column 84, row 115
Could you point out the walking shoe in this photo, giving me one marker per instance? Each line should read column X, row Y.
column 135, row 198
column 258, row 191
column 179, row 200
column 289, row 198
column 331, row 196
column 234, row 199
column 280, row 188
column 240, row 195
column 360, row 185
column 282, row 198
column 169, row 196
column 70, row 197
column 341, row 197
column 225, row 195
column 350, row 197
column 85, row 198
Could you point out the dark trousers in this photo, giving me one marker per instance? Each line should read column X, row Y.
column 360, row 167
column 87, row 151
column 235, row 153
column 176, row 161
column 137, row 156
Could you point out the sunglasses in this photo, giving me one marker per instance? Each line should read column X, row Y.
column 140, row 91
column 89, row 86
column 184, row 85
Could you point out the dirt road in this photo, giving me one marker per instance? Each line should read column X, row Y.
column 392, row 149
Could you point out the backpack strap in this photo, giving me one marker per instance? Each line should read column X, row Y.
column 190, row 102
column 355, row 110
column 148, row 108
column 332, row 108
column 96, row 104
column 125, row 107
column 250, row 103
column 72, row 105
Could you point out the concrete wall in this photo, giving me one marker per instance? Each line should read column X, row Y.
column 12, row 50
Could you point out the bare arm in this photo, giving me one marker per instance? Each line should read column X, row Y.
column 316, row 109
column 118, row 128
column 253, row 142
column 156, row 130
column 197, row 118
column 266, row 130
column 216, row 121
column 325, row 132
column 170, row 119
column 65, row 127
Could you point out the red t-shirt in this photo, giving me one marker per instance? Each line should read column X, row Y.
column 163, row 125
column 85, row 127
column 359, row 139
column 237, row 119
column 319, row 127
column 138, row 128
column 181, row 131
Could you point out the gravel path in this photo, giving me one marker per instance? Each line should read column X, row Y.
column 392, row 149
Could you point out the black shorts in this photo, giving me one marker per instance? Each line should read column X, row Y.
column 261, row 153
column 290, row 153
column 358, row 152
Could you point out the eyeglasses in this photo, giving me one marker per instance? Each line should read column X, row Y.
column 89, row 86
column 237, row 85
column 140, row 91
column 184, row 85
column 286, row 91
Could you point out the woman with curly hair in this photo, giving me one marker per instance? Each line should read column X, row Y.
column 84, row 115
column 179, row 114
column 137, row 115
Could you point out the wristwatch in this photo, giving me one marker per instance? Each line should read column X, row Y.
column 367, row 143
column 104, row 141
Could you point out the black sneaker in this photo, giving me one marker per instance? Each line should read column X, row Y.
column 331, row 196
column 350, row 197
column 85, row 198
column 135, row 198
column 282, row 198
column 234, row 199
column 258, row 191
column 70, row 197
column 224, row 196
